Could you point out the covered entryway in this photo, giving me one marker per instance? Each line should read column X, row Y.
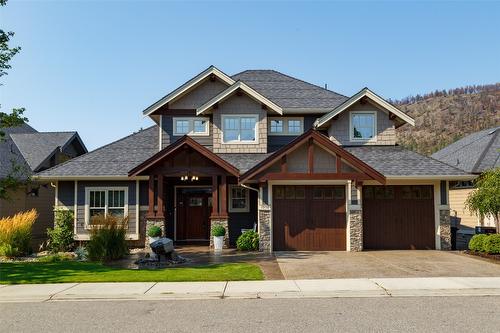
column 309, row 218
column 193, row 209
column 398, row 217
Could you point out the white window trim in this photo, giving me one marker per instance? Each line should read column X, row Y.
column 246, row 209
column 285, row 126
column 239, row 142
column 110, row 188
column 191, row 131
column 351, row 132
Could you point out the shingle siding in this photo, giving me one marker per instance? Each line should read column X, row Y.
column 339, row 128
column 198, row 95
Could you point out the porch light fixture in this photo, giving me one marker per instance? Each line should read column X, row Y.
column 187, row 177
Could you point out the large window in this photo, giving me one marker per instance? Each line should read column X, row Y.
column 239, row 199
column 286, row 126
column 239, row 129
column 190, row 126
column 104, row 202
column 363, row 126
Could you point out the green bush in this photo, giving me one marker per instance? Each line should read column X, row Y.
column 107, row 238
column 81, row 253
column 61, row 238
column 491, row 244
column 154, row 231
column 248, row 241
column 57, row 257
column 15, row 233
column 218, row 230
column 476, row 243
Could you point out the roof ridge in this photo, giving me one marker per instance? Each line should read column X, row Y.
column 97, row 149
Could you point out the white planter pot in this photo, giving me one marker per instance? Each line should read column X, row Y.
column 218, row 243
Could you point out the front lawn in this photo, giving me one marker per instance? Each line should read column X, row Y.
column 74, row 271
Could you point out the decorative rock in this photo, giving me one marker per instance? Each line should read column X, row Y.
column 445, row 229
column 356, row 230
column 264, row 228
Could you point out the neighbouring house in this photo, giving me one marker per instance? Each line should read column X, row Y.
column 25, row 151
column 475, row 153
column 309, row 168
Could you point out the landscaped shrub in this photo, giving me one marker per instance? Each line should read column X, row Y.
column 491, row 244
column 15, row 233
column 248, row 241
column 218, row 231
column 107, row 238
column 81, row 253
column 154, row 231
column 61, row 237
column 476, row 243
column 56, row 257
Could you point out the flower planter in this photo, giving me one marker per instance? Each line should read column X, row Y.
column 218, row 243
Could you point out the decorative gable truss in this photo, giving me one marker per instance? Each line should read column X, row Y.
column 312, row 156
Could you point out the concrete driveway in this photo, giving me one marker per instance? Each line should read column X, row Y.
column 378, row 264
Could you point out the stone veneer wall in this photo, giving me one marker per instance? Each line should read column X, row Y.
column 356, row 230
column 235, row 105
column 265, row 228
column 223, row 221
column 445, row 229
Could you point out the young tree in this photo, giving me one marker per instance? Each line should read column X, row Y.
column 485, row 199
column 9, row 119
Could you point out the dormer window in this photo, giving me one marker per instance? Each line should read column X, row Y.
column 363, row 126
column 191, row 126
column 286, row 126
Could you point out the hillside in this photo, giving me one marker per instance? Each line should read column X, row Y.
column 443, row 117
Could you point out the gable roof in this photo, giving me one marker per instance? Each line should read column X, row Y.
column 397, row 162
column 292, row 94
column 183, row 141
column 37, row 148
column 109, row 161
column 9, row 152
column 365, row 92
column 232, row 89
column 474, row 153
column 212, row 70
column 326, row 144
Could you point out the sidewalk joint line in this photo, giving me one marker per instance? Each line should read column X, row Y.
column 50, row 297
column 380, row 286
column 154, row 284
column 224, row 290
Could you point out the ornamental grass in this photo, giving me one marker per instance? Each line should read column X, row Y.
column 15, row 233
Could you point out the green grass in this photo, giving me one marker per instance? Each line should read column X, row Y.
column 73, row 271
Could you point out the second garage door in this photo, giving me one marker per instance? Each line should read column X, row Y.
column 309, row 218
column 398, row 217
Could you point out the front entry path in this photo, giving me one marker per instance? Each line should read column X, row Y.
column 382, row 264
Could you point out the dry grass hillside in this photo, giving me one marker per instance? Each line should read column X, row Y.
column 442, row 118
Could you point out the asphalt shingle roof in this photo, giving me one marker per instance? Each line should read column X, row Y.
column 9, row 152
column 474, row 153
column 114, row 159
column 244, row 161
column 398, row 161
column 289, row 92
column 36, row 147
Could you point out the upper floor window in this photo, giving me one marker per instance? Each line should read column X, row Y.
column 239, row 129
column 286, row 126
column 190, row 126
column 363, row 125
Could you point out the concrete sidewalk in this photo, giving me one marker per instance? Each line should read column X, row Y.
column 381, row 287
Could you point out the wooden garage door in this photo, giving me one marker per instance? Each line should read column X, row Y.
column 309, row 218
column 398, row 217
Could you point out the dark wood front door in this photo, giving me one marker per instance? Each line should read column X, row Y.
column 193, row 212
column 309, row 218
column 398, row 217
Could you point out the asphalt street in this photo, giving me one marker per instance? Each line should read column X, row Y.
column 408, row 314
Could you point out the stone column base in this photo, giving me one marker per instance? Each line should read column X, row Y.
column 223, row 221
column 153, row 222
column 445, row 229
column 265, row 229
column 356, row 230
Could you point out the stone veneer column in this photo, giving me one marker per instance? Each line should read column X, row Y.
column 223, row 221
column 445, row 229
column 265, row 228
column 356, row 230
column 154, row 222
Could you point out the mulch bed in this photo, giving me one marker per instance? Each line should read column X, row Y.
column 484, row 255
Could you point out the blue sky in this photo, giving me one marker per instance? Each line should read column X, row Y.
column 94, row 66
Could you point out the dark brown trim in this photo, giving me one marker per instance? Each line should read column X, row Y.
column 325, row 143
column 183, row 141
column 223, row 196
column 314, row 176
column 151, row 196
column 338, row 163
column 310, row 156
column 215, row 197
column 159, row 212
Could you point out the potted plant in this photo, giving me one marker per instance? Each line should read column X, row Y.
column 218, row 232
column 154, row 233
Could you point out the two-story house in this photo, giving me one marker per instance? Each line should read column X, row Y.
column 308, row 168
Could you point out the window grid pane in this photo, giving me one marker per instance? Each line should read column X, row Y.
column 294, row 126
column 182, row 126
column 276, row 126
column 363, row 126
column 200, row 126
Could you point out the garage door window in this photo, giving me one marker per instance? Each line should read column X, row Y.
column 379, row 192
column 328, row 192
column 416, row 192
